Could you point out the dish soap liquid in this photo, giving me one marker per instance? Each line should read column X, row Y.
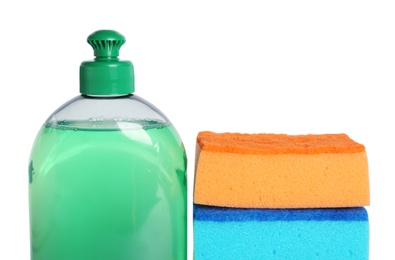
column 107, row 172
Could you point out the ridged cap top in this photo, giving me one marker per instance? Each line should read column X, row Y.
column 106, row 43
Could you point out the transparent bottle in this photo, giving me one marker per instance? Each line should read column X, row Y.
column 107, row 172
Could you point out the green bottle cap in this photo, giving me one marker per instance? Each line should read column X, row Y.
column 106, row 74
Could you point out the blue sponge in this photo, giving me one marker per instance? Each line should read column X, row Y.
column 240, row 233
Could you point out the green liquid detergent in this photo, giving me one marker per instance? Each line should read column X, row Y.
column 103, row 187
column 95, row 198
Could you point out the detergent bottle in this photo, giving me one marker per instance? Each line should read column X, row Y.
column 107, row 171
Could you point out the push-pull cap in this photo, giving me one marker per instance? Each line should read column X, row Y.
column 106, row 74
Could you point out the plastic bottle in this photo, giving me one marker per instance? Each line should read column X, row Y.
column 107, row 172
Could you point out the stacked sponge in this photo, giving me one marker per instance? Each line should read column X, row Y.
column 277, row 196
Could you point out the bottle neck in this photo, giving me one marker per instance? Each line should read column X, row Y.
column 106, row 96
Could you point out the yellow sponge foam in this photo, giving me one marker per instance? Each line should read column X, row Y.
column 280, row 171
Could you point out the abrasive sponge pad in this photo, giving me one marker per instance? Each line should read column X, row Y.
column 280, row 171
column 232, row 233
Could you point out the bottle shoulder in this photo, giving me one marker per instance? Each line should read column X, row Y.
column 106, row 112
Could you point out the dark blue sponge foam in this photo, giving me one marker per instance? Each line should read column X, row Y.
column 233, row 233
column 220, row 214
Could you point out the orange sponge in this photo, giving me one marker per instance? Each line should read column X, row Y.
column 280, row 171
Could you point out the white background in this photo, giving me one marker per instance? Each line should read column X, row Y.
column 294, row 67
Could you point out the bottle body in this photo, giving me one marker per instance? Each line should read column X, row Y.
column 108, row 186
